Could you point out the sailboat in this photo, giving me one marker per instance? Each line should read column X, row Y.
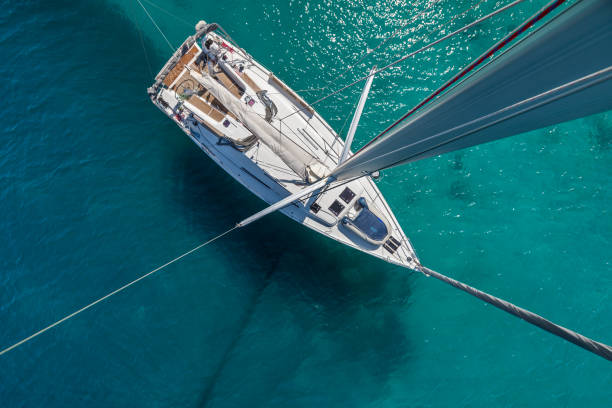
column 274, row 143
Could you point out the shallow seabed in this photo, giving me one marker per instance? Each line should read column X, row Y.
column 98, row 187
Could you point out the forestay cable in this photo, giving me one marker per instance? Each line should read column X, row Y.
column 71, row 315
column 601, row 349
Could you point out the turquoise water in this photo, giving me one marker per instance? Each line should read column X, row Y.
column 98, row 187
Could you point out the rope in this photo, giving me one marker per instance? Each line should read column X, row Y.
column 601, row 349
column 71, row 315
column 386, row 67
column 156, row 26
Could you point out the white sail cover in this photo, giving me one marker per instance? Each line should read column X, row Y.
column 293, row 155
column 561, row 72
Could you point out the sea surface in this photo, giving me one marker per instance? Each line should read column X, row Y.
column 97, row 187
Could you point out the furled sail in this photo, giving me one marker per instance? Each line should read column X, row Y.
column 560, row 72
column 298, row 159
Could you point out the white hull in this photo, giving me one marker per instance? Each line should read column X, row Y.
column 262, row 172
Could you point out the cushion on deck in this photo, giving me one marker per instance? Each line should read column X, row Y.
column 371, row 225
column 368, row 224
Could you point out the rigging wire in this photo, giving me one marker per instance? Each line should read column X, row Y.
column 169, row 13
column 371, row 51
column 348, row 115
column 127, row 285
column 145, row 53
column 394, row 34
column 156, row 26
column 403, row 58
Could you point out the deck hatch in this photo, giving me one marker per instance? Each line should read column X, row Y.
column 392, row 244
column 315, row 208
column 336, row 208
column 347, row 195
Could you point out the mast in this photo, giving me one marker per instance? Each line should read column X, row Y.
column 560, row 72
column 351, row 132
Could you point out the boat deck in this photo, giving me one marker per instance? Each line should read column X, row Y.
column 256, row 165
column 251, row 83
column 179, row 67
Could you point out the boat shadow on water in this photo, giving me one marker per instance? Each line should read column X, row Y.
column 350, row 298
column 357, row 299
